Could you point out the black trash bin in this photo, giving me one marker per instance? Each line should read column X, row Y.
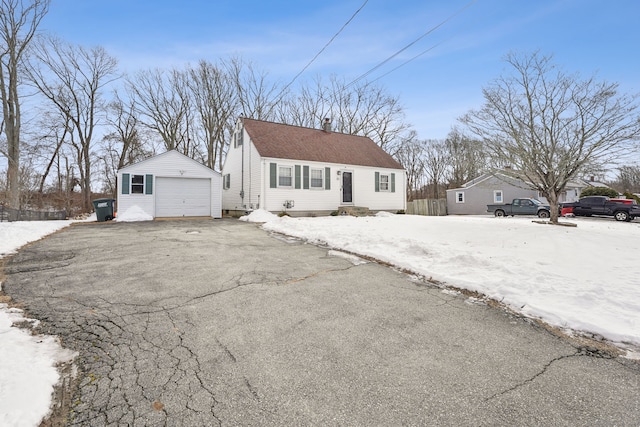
column 104, row 209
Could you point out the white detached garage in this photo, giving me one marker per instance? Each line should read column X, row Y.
column 170, row 185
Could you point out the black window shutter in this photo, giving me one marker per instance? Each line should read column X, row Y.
column 393, row 182
column 148, row 184
column 125, row 183
column 377, row 181
column 298, row 177
column 273, row 175
column 305, row 177
column 327, row 178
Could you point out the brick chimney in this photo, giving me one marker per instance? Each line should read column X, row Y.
column 326, row 125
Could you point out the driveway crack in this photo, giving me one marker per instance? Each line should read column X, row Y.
column 579, row 352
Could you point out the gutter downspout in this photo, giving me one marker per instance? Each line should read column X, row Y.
column 242, row 173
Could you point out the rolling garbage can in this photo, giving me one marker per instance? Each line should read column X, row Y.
column 104, row 209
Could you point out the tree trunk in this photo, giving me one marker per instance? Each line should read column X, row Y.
column 552, row 198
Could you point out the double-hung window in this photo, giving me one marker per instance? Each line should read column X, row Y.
column 384, row 182
column 137, row 184
column 459, row 196
column 497, row 196
column 285, row 176
column 317, row 179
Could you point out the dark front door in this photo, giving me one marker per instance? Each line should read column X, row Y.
column 347, row 196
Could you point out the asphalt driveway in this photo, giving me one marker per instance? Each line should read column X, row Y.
column 198, row 323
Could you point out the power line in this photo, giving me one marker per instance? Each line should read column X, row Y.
column 412, row 43
column 323, row 48
column 406, row 62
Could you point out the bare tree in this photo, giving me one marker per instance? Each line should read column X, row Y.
column 548, row 125
column 628, row 179
column 125, row 143
column 125, row 132
column 467, row 159
column 161, row 104
column 256, row 96
column 215, row 101
column 51, row 133
column 411, row 156
column 19, row 20
column 72, row 78
column 365, row 110
column 436, row 161
column 307, row 108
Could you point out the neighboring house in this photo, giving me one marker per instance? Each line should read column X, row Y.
column 493, row 188
column 305, row 171
column 474, row 196
column 170, row 185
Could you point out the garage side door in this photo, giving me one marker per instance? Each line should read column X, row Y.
column 177, row 197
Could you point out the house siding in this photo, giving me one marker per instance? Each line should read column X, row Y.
column 307, row 200
column 247, row 180
column 167, row 165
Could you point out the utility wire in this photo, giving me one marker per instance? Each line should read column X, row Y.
column 322, row 50
column 362, row 76
column 406, row 62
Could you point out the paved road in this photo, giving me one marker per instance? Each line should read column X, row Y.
column 199, row 323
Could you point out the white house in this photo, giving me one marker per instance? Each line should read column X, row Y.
column 305, row 171
column 170, row 185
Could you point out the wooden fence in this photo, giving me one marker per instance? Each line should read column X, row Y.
column 429, row 207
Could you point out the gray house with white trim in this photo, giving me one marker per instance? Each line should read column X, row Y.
column 495, row 188
column 474, row 196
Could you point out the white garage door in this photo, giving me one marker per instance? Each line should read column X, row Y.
column 183, row 197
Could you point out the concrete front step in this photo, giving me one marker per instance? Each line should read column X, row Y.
column 354, row 211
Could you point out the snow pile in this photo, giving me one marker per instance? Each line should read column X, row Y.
column 27, row 363
column 27, row 371
column 133, row 214
column 259, row 215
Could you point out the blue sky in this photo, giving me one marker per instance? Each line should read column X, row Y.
column 280, row 37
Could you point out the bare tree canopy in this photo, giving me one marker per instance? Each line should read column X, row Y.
column 255, row 95
column 411, row 156
column 364, row 109
column 73, row 78
column 467, row 159
column 162, row 104
column 19, row 20
column 216, row 104
column 549, row 125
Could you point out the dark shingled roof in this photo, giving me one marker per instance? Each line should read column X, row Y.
column 297, row 143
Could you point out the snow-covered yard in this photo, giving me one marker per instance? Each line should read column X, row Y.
column 581, row 278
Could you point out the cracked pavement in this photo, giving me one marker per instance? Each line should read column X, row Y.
column 201, row 323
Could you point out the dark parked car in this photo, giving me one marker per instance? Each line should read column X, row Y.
column 620, row 209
